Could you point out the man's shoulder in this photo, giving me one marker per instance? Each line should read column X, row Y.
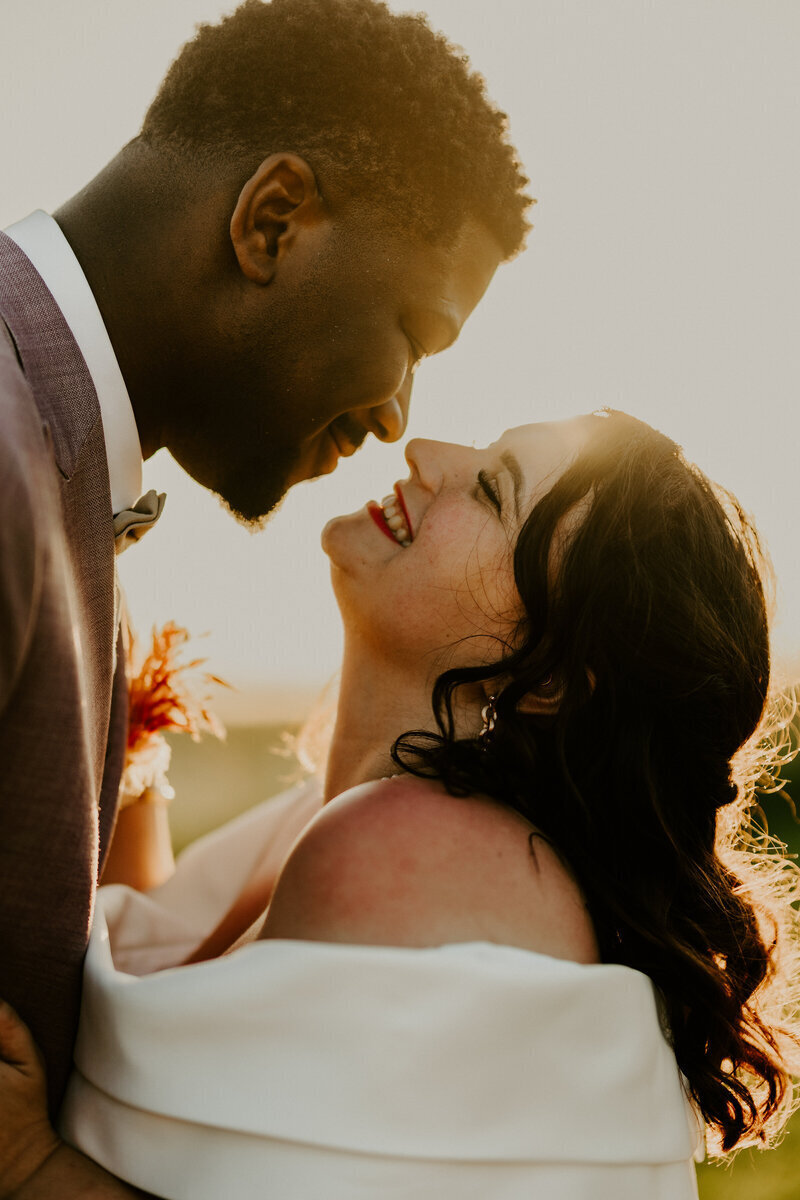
column 23, row 487
column 12, row 378
column 6, row 341
column 23, row 444
column 26, row 475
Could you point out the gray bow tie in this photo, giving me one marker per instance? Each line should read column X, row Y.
column 133, row 523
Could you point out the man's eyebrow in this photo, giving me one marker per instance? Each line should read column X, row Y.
column 508, row 460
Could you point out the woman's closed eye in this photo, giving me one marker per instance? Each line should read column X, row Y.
column 489, row 487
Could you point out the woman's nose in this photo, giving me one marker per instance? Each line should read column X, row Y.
column 433, row 462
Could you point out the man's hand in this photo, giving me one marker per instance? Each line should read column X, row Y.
column 34, row 1163
column 27, row 1139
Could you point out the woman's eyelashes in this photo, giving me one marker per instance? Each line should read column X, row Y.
column 489, row 487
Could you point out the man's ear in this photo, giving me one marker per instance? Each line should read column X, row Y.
column 278, row 200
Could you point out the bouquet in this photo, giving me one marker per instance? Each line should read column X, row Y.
column 160, row 701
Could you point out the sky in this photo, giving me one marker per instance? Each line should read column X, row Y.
column 660, row 138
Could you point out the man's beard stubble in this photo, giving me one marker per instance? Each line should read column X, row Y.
column 253, row 489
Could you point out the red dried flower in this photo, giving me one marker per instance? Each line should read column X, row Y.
column 160, row 701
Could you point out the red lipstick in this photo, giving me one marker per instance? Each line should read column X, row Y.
column 402, row 504
column 376, row 512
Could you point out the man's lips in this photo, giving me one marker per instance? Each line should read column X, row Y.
column 344, row 443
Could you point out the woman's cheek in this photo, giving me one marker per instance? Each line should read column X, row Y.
column 492, row 590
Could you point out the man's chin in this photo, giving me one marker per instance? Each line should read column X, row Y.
column 253, row 523
column 250, row 507
column 256, row 489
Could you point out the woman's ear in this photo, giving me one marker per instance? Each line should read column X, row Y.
column 545, row 699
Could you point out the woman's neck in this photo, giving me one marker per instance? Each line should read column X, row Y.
column 376, row 704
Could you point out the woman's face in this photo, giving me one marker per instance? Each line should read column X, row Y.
column 446, row 596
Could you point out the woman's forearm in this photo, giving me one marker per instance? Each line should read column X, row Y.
column 140, row 853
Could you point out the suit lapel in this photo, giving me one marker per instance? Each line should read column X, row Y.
column 50, row 357
column 65, row 397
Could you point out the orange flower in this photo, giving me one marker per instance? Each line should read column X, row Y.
column 160, row 701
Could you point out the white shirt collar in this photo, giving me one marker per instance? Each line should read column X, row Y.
column 41, row 239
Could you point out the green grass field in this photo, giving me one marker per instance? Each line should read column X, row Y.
column 757, row 1174
column 214, row 781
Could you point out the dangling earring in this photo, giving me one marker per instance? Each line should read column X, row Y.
column 489, row 718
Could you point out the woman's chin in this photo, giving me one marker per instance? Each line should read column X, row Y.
column 357, row 551
column 336, row 538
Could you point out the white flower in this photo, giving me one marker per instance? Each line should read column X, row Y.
column 147, row 768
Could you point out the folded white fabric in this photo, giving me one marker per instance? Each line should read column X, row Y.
column 298, row 1069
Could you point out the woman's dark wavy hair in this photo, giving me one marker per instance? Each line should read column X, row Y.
column 647, row 611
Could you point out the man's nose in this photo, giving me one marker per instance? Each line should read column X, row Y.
column 388, row 421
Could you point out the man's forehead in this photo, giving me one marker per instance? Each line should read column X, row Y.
column 449, row 280
column 472, row 256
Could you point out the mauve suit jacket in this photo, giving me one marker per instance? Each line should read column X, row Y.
column 63, row 696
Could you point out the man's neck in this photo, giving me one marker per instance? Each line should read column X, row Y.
column 129, row 261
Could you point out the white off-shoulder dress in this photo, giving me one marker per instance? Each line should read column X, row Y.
column 293, row 1070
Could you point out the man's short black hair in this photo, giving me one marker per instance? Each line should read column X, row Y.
column 376, row 102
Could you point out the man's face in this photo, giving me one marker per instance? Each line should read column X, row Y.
column 328, row 353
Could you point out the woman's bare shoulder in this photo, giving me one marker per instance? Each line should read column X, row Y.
column 402, row 862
